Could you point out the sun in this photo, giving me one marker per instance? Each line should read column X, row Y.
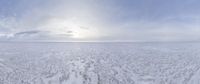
column 79, row 32
column 73, row 30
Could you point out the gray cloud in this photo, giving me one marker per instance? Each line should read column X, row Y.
column 82, row 27
column 39, row 35
column 27, row 33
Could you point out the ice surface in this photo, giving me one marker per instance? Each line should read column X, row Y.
column 99, row 63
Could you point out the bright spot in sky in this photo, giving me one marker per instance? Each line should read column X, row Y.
column 70, row 29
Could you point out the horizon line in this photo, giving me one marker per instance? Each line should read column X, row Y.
column 95, row 41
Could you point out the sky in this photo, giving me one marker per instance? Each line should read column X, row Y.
column 100, row 20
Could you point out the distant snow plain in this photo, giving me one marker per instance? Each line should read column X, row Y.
column 100, row 63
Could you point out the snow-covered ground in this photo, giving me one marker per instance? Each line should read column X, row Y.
column 99, row 63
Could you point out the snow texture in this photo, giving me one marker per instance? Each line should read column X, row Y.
column 99, row 63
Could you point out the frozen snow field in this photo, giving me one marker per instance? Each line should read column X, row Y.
column 100, row 63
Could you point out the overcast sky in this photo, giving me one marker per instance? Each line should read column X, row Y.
column 99, row 20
